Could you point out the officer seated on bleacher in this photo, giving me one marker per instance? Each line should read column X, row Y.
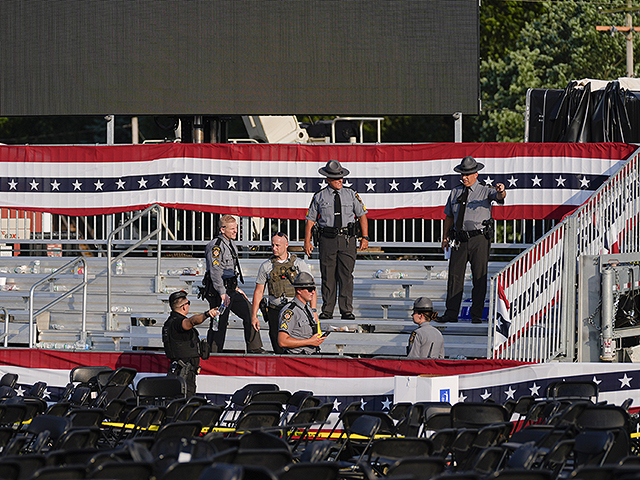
column 425, row 341
column 181, row 341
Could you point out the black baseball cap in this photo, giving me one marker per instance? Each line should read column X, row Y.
column 177, row 296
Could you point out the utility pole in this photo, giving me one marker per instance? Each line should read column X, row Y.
column 628, row 28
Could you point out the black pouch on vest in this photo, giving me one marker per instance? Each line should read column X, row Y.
column 205, row 349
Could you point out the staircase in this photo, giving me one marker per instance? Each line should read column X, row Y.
column 382, row 306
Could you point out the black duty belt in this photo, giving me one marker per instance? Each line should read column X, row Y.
column 332, row 232
column 465, row 235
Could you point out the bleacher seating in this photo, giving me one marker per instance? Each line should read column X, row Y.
column 382, row 306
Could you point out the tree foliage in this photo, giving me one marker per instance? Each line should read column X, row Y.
column 559, row 44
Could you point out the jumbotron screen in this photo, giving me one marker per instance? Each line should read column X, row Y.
column 257, row 57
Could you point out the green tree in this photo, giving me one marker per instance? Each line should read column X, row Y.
column 559, row 45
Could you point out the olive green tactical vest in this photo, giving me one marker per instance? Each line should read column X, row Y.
column 282, row 276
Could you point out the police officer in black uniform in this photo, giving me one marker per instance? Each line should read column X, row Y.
column 221, row 287
column 299, row 332
column 335, row 209
column 181, row 342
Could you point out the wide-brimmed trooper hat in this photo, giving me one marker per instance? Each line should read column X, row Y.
column 423, row 305
column 334, row 170
column 468, row 165
column 304, row 280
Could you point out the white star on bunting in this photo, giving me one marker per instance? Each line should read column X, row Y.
column 209, row 182
column 560, row 181
column 142, row 183
column 534, row 389
column 441, row 183
column 277, row 185
column 231, row 183
column 13, row 184
column 509, row 393
column 254, row 184
column 186, row 181
column 55, row 185
column 164, row 181
column 386, row 404
column 370, row 186
column 584, row 182
column 537, row 182
column 121, row 184
column 489, row 181
column 34, row 184
column 300, row 185
column 417, row 185
column 393, row 185
column 98, row 185
column 76, row 185
column 512, row 181
column 625, row 381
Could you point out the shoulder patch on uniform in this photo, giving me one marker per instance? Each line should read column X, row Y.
column 216, row 251
column 359, row 199
column 286, row 316
column 412, row 337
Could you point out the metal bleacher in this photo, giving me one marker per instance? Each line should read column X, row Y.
column 382, row 306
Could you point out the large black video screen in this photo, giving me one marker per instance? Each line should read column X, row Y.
column 154, row 57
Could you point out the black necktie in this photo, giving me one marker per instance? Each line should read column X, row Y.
column 236, row 262
column 337, row 208
column 462, row 200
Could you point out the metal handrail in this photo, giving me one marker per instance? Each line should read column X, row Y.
column 378, row 121
column 574, row 243
column 83, row 286
column 158, row 209
column 5, row 335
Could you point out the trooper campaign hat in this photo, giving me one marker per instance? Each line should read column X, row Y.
column 175, row 296
column 304, row 280
column 468, row 165
column 334, row 170
column 422, row 305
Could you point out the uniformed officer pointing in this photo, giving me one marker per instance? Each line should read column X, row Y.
column 335, row 209
column 299, row 333
column 425, row 341
column 181, row 341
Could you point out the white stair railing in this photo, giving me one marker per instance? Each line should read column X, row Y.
column 532, row 307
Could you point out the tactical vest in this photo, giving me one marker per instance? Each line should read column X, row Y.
column 176, row 349
column 282, row 276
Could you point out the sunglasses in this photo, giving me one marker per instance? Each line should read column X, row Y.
column 311, row 289
column 188, row 302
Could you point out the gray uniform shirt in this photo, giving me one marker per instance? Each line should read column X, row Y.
column 298, row 324
column 478, row 205
column 321, row 209
column 265, row 271
column 426, row 342
column 220, row 262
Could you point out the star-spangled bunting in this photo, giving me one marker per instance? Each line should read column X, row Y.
column 543, row 180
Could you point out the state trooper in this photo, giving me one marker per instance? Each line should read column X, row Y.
column 277, row 274
column 299, row 332
column 221, row 287
column 181, row 341
column 334, row 209
column 425, row 341
column 468, row 228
